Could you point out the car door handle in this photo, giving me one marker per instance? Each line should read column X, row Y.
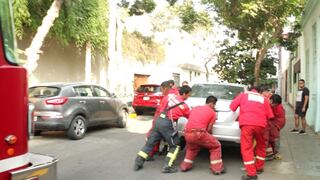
column 102, row 102
column 82, row 102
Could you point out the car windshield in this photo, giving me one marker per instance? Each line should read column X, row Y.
column 43, row 91
column 148, row 89
column 221, row 91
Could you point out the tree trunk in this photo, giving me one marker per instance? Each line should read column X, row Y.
column 207, row 70
column 259, row 58
column 33, row 51
column 88, row 63
column 112, row 31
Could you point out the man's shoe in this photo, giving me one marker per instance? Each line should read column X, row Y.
column 302, row 132
column 246, row 177
column 137, row 167
column 278, row 156
column 150, row 158
column 138, row 164
column 269, row 157
column 294, row 131
column 169, row 169
column 219, row 172
column 260, row 171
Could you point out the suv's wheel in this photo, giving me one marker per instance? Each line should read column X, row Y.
column 123, row 118
column 77, row 128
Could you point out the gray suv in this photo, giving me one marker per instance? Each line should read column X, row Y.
column 73, row 107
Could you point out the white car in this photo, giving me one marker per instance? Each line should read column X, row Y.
column 226, row 127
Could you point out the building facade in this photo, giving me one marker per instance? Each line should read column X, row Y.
column 305, row 63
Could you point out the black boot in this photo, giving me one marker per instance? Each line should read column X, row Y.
column 138, row 164
column 246, row 177
column 169, row 169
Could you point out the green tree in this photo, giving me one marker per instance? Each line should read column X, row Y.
column 84, row 23
column 236, row 65
column 259, row 23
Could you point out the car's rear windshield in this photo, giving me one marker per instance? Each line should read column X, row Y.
column 148, row 89
column 221, row 91
column 43, row 91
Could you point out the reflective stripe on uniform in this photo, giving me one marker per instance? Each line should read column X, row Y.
column 181, row 106
column 188, row 161
column 170, row 155
column 260, row 158
column 173, row 156
column 143, row 154
column 269, row 149
column 216, row 161
column 248, row 162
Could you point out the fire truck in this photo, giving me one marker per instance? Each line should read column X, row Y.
column 16, row 162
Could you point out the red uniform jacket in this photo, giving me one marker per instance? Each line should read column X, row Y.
column 174, row 91
column 170, row 100
column 201, row 117
column 182, row 110
column 279, row 116
column 254, row 109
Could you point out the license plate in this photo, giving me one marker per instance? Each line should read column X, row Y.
column 146, row 98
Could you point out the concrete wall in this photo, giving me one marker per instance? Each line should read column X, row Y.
column 309, row 47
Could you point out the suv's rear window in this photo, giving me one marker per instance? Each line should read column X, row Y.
column 148, row 89
column 43, row 91
column 221, row 91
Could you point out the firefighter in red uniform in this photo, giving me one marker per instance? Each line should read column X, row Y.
column 198, row 134
column 172, row 108
column 160, row 108
column 255, row 111
column 275, row 124
column 174, row 89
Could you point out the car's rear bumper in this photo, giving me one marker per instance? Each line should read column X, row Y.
column 227, row 133
column 49, row 125
column 144, row 107
column 230, row 132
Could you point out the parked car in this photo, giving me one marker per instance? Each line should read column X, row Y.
column 146, row 97
column 226, row 127
column 73, row 107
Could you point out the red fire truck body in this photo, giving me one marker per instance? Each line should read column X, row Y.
column 16, row 163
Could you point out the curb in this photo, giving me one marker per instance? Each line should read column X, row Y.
column 132, row 115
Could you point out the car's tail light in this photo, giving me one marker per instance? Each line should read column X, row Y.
column 56, row 101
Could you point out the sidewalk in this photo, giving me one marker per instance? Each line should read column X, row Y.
column 301, row 154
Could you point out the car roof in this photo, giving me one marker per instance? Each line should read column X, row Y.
column 149, row 85
column 63, row 84
column 220, row 83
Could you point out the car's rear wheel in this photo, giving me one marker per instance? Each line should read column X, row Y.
column 77, row 128
column 123, row 118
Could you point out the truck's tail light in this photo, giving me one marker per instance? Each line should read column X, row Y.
column 11, row 139
column 56, row 101
column 10, row 151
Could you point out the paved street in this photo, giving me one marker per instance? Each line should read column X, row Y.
column 108, row 153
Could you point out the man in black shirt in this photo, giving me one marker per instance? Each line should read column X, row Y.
column 302, row 102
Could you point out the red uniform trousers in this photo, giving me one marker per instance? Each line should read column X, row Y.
column 248, row 152
column 195, row 139
column 271, row 135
